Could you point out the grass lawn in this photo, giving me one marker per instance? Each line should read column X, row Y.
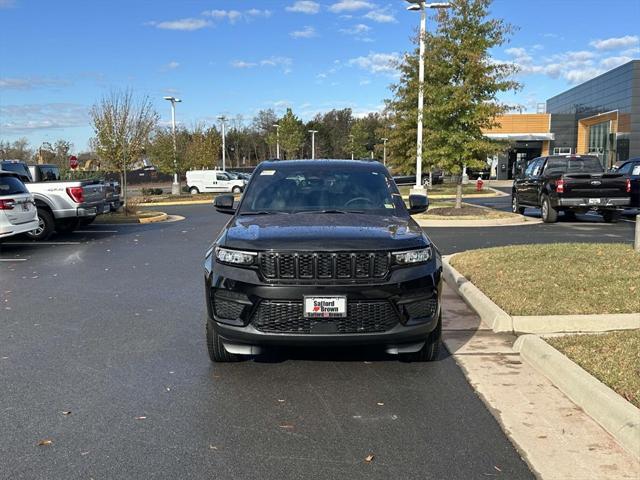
column 613, row 358
column 120, row 217
column 447, row 211
column 556, row 279
column 449, row 189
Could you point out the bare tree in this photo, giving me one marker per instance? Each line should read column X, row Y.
column 122, row 126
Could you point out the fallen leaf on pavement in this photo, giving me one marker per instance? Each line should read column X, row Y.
column 498, row 469
column 380, row 404
column 141, row 418
column 45, row 443
column 212, row 447
column 369, row 458
column 287, row 426
column 66, row 413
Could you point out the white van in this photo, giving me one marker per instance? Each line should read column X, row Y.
column 216, row 181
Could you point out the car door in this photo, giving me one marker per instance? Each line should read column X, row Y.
column 223, row 182
column 537, row 180
column 524, row 184
column 634, row 176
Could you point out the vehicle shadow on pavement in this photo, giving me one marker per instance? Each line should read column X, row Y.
column 343, row 354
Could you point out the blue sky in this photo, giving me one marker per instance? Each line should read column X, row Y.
column 236, row 57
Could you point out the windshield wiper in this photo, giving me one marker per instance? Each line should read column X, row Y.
column 329, row 210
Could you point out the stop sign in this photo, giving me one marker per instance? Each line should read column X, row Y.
column 73, row 162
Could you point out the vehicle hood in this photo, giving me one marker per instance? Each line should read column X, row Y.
column 322, row 232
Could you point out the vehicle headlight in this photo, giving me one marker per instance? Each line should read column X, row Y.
column 235, row 257
column 412, row 256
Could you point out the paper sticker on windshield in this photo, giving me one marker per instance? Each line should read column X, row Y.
column 268, row 172
column 388, row 205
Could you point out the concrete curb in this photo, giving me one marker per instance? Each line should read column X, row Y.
column 501, row 321
column 520, row 220
column 177, row 203
column 617, row 416
column 161, row 217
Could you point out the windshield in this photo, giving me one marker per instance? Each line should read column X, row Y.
column 573, row 165
column 321, row 189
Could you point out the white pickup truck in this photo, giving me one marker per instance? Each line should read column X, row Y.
column 61, row 204
column 216, row 181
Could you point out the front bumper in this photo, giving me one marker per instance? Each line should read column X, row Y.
column 397, row 313
column 587, row 202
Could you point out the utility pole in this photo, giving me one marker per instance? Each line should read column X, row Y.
column 223, row 119
column 313, row 143
column 277, row 140
column 175, row 187
column 384, row 151
column 352, row 147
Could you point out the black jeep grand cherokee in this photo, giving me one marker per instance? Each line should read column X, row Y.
column 322, row 253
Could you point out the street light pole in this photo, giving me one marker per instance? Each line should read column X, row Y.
column 277, row 140
column 175, row 187
column 352, row 147
column 384, row 151
column 313, row 143
column 223, row 119
column 422, row 7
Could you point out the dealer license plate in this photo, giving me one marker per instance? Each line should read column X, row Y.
column 594, row 201
column 325, row 307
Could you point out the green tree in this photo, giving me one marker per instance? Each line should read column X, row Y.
column 61, row 149
column 122, row 125
column 16, row 150
column 292, row 135
column 202, row 149
column 462, row 83
column 160, row 149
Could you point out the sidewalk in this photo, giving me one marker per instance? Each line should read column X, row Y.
column 556, row 438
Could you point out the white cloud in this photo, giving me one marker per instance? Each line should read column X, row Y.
column 306, row 32
column 358, row 29
column 19, row 119
column 284, row 63
column 243, row 64
column 233, row 16
column 350, row 6
column 304, row 6
column 377, row 62
column 184, row 24
column 631, row 52
column 172, row 65
column 381, row 16
column 613, row 62
column 613, row 43
column 29, row 83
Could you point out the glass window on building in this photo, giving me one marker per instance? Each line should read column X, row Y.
column 599, row 142
column 562, row 151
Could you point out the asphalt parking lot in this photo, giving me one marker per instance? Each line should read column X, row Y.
column 107, row 323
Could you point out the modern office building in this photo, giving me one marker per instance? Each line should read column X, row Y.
column 600, row 117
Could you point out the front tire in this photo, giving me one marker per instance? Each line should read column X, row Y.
column 236, row 190
column 549, row 214
column 515, row 204
column 194, row 191
column 429, row 352
column 46, row 226
column 610, row 216
column 215, row 347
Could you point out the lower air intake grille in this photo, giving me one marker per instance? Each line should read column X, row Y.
column 287, row 317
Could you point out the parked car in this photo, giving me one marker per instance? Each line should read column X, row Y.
column 205, row 181
column 18, row 213
column 631, row 170
column 437, row 177
column 61, row 204
column 323, row 253
column 570, row 184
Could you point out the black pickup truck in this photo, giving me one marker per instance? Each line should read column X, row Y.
column 570, row 184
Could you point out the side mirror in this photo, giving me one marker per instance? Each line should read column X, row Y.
column 418, row 204
column 224, row 204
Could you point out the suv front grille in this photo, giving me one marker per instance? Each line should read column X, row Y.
column 288, row 317
column 319, row 266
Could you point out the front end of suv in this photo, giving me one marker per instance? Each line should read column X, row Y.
column 323, row 280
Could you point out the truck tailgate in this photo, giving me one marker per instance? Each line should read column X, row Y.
column 94, row 193
column 600, row 185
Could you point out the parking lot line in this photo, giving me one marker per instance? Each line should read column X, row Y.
column 95, row 231
column 37, row 244
column 13, row 259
